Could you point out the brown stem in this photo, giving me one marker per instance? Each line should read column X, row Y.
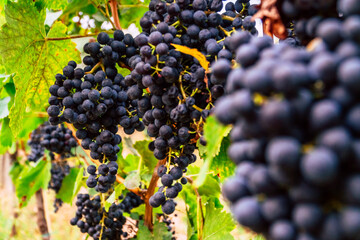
column 71, row 37
column 75, row 36
column 133, row 6
column 115, row 14
column 14, row 231
column 119, row 179
column 148, row 219
column 41, row 217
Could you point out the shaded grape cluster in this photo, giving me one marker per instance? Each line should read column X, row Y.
column 305, row 17
column 295, row 136
column 37, row 150
column 102, row 177
column 129, row 202
column 92, row 218
column 57, row 139
column 58, row 171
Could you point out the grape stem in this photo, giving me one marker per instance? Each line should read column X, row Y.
column 94, row 68
column 115, row 14
column 74, row 36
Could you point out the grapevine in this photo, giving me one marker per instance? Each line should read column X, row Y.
column 144, row 117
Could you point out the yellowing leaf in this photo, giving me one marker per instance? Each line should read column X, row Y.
column 195, row 53
column 27, row 50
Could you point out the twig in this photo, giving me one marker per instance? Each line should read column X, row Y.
column 133, row 6
column 115, row 14
column 148, row 218
column 106, row 14
column 41, row 221
column 75, row 36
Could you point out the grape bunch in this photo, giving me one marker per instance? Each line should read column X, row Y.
column 103, row 177
column 305, row 17
column 57, row 139
column 173, row 90
column 92, row 218
column 37, row 150
column 95, row 100
column 58, row 172
column 130, row 201
column 296, row 135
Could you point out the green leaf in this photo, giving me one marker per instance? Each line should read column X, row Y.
column 119, row 190
column 218, row 224
column 56, row 4
column 132, row 15
column 4, row 110
column 16, row 170
column 161, row 231
column 32, row 180
column 145, row 154
column 211, row 187
column 222, row 164
column 211, row 128
column 110, row 200
column 131, row 162
column 114, row 195
column 69, row 187
column 143, row 232
column 33, row 56
column 79, row 6
column 5, row 133
column 132, row 180
column 190, row 208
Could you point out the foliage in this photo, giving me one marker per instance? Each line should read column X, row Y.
column 31, row 179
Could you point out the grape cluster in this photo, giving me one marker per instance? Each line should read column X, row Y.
column 58, row 172
column 92, row 218
column 169, row 224
column 296, row 135
column 103, row 177
column 305, row 17
column 130, row 201
column 37, row 150
column 94, row 100
column 173, row 91
column 57, row 139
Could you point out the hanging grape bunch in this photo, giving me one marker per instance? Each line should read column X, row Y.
column 57, row 139
column 37, row 150
column 174, row 90
column 93, row 219
column 296, row 135
column 95, row 101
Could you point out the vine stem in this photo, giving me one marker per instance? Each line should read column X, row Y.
column 87, row 152
column 115, row 14
column 148, row 218
column 74, row 36
column 133, row 6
